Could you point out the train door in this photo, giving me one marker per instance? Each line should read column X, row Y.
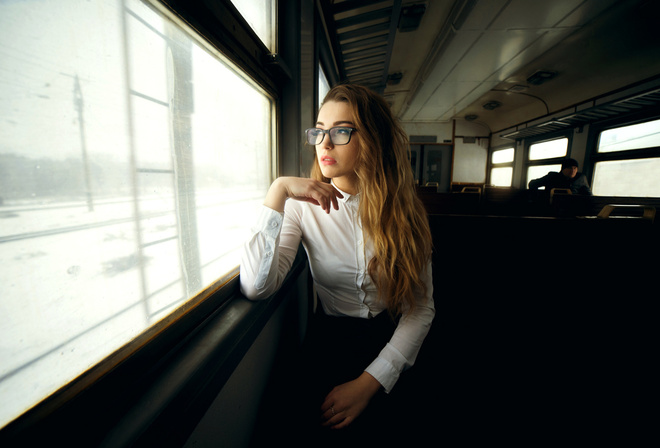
column 431, row 163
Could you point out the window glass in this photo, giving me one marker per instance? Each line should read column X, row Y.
column 638, row 177
column 324, row 86
column 637, row 136
column 132, row 161
column 501, row 177
column 536, row 172
column 549, row 149
column 260, row 15
column 502, row 156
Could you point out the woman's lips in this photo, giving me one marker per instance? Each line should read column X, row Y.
column 327, row 160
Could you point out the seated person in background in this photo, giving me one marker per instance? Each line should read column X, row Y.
column 568, row 177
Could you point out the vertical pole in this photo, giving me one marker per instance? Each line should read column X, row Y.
column 133, row 165
column 181, row 109
column 78, row 102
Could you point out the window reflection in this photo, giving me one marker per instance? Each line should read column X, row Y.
column 260, row 15
column 324, row 86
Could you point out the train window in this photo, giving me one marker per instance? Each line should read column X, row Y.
column 549, row 149
column 538, row 171
column 132, row 157
column 260, row 15
column 324, row 85
column 635, row 177
column 543, row 155
column 626, row 138
column 502, row 176
column 502, row 156
column 629, row 172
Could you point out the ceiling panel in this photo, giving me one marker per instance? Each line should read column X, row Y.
column 445, row 97
column 526, row 14
column 450, row 57
column 483, row 13
column 468, row 52
column 585, row 12
column 473, row 96
column 490, row 53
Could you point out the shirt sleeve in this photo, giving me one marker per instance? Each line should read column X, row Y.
column 535, row 184
column 268, row 255
column 401, row 351
column 581, row 185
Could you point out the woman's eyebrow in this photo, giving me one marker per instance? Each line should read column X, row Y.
column 337, row 123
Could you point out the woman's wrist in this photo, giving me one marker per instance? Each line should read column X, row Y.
column 371, row 384
column 276, row 196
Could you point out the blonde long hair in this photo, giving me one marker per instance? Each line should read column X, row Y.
column 391, row 213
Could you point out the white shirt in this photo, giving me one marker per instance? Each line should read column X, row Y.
column 338, row 255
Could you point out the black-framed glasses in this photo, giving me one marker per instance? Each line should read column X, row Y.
column 339, row 135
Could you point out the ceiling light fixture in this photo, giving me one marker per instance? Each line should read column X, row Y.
column 492, row 105
column 541, row 76
column 411, row 17
column 517, row 88
column 394, row 78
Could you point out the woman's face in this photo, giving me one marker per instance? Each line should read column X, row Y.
column 338, row 162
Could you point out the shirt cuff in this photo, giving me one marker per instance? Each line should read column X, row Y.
column 269, row 222
column 269, row 225
column 384, row 372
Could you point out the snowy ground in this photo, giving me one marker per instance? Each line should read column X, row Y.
column 71, row 284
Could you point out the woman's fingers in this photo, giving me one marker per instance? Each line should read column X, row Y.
column 315, row 192
column 336, row 420
column 331, row 196
column 346, row 402
column 335, row 202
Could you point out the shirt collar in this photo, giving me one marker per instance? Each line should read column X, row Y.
column 347, row 197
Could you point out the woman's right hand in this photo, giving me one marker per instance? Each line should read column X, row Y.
column 302, row 189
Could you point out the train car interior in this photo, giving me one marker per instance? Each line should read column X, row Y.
column 186, row 111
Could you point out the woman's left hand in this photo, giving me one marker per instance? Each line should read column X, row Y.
column 346, row 402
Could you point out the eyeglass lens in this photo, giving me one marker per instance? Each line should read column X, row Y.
column 338, row 135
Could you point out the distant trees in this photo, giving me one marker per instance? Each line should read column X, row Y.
column 47, row 179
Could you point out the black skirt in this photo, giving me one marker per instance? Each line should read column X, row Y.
column 338, row 350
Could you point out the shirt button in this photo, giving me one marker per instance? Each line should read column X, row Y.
column 268, row 254
column 273, row 224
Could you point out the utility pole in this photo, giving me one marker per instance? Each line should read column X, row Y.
column 78, row 103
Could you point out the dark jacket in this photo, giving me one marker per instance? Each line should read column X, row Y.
column 577, row 185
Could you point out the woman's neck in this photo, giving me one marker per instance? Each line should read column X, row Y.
column 347, row 184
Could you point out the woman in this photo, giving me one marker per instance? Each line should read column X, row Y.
column 369, row 246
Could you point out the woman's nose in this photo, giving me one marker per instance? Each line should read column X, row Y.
column 327, row 142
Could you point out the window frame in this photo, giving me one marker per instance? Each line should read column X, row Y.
column 491, row 165
column 594, row 157
column 568, row 134
column 102, row 386
column 323, row 57
column 221, row 25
